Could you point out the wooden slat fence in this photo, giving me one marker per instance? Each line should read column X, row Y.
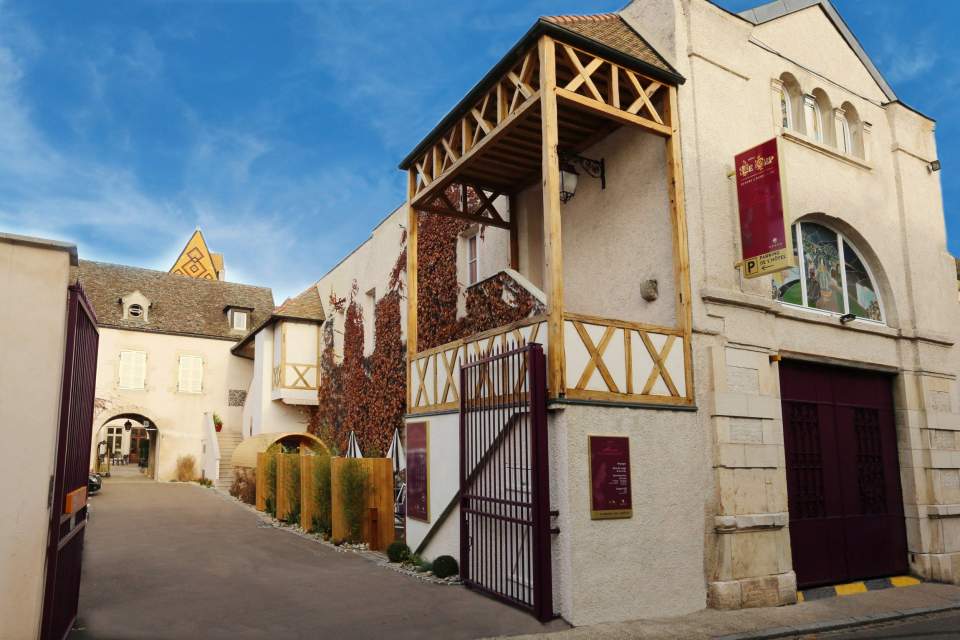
column 377, row 529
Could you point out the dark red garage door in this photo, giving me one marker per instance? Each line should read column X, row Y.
column 843, row 476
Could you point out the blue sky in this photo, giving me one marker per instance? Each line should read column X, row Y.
column 277, row 126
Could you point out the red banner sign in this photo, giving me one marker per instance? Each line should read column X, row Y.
column 764, row 240
column 610, row 478
column 418, row 461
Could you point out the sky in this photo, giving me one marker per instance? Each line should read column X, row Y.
column 277, row 126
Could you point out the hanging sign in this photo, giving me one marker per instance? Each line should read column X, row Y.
column 418, row 458
column 610, row 477
column 766, row 246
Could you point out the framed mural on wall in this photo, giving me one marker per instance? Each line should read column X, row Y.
column 610, row 496
column 418, row 481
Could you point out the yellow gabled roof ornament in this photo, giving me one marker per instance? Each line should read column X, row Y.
column 196, row 260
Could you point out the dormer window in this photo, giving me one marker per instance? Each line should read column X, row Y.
column 136, row 307
column 238, row 318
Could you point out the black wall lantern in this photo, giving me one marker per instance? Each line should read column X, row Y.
column 569, row 175
column 128, row 425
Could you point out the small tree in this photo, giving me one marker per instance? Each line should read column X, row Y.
column 322, row 495
column 270, row 480
column 353, row 495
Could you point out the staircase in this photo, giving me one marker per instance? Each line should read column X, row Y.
column 228, row 441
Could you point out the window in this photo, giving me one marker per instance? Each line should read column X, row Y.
column 830, row 277
column 238, row 320
column 846, row 142
column 812, row 119
column 135, row 311
column 190, row 378
column 133, row 369
column 114, row 440
column 786, row 111
column 472, row 260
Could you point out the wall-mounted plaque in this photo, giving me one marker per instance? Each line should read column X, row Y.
column 765, row 243
column 418, row 461
column 610, row 477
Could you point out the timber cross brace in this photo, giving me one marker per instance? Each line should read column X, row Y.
column 556, row 90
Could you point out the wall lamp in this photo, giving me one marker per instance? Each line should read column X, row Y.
column 569, row 175
column 128, row 425
column 933, row 166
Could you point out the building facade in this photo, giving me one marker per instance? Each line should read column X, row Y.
column 165, row 371
column 785, row 430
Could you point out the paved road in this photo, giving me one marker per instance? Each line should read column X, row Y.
column 167, row 560
column 934, row 627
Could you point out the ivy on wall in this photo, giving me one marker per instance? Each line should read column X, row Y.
column 369, row 395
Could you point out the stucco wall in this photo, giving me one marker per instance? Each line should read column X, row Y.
column 650, row 565
column 178, row 416
column 443, row 433
column 33, row 285
column 261, row 413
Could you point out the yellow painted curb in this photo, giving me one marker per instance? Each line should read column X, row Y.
column 850, row 589
column 904, row 581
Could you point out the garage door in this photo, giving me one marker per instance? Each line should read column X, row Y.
column 843, row 476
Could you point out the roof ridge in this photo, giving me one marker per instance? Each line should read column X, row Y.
column 589, row 17
column 169, row 274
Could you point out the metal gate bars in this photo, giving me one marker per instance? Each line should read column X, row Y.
column 504, row 480
column 68, row 486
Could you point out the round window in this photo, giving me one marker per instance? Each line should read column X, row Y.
column 135, row 311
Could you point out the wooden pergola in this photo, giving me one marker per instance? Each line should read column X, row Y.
column 567, row 84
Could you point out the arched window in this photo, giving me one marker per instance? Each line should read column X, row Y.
column 812, row 120
column 853, row 130
column 790, row 100
column 831, row 276
column 845, row 143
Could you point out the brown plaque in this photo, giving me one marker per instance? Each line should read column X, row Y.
column 610, row 477
column 418, row 471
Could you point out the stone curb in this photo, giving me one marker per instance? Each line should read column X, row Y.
column 837, row 625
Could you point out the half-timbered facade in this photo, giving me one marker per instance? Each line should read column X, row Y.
column 739, row 398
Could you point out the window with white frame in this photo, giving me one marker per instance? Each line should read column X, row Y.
column 786, row 109
column 812, row 119
column 846, row 140
column 190, row 377
column 830, row 276
column 238, row 319
column 133, row 369
column 473, row 259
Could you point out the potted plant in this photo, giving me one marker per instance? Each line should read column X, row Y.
column 217, row 422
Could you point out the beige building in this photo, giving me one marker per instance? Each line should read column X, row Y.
column 165, row 370
column 791, row 429
column 34, row 276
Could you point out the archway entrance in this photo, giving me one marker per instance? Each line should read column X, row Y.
column 127, row 445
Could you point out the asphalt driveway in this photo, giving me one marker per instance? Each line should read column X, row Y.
column 167, row 560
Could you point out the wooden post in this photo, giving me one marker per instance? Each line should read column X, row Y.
column 681, row 250
column 514, row 234
column 553, row 244
column 411, row 276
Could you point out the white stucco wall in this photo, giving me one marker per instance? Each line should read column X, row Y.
column 33, row 285
column 178, row 416
column 444, row 482
column 262, row 413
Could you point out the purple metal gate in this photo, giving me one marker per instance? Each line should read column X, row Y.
column 504, row 479
column 68, row 510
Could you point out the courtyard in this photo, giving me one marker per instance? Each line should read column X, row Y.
column 176, row 560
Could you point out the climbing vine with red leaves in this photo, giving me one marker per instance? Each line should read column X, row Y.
column 369, row 396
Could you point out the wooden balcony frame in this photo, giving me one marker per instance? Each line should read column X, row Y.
column 602, row 89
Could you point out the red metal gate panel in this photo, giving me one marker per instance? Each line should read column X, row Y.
column 68, row 510
column 504, row 479
column 843, row 474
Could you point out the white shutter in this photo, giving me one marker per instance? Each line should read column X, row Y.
column 133, row 369
column 190, row 379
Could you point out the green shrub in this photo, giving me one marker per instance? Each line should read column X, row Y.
column 398, row 551
column 293, row 490
column 271, row 485
column 321, row 492
column 445, row 566
column 353, row 494
column 205, row 482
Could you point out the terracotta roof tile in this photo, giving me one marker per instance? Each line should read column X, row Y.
column 611, row 30
column 178, row 304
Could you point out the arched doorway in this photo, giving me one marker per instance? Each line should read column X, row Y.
column 127, row 444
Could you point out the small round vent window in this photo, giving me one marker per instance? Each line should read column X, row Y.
column 135, row 311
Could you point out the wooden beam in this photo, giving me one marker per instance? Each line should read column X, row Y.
column 681, row 250
column 439, row 182
column 553, row 243
column 411, row 276
column 577, row 100
column 514, row 233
